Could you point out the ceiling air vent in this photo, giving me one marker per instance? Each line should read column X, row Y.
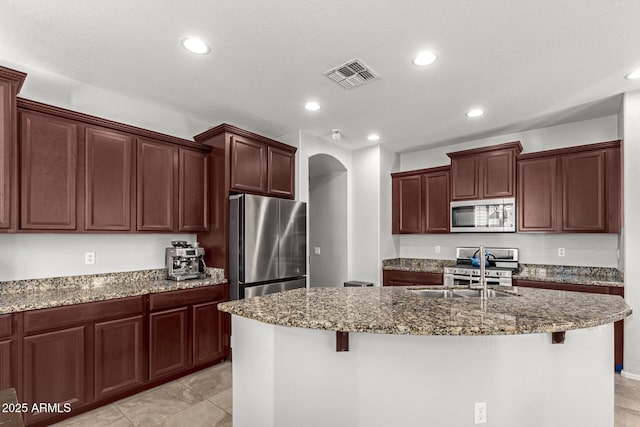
column 351, row 74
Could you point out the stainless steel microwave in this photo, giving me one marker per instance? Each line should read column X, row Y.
column 484, row 216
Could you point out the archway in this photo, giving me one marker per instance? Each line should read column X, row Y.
column 327, row 221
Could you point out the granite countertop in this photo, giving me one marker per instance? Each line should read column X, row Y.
column 399, row 311
column 418, row 265
column 24, row 295
column 576, row 275
column 593, row 276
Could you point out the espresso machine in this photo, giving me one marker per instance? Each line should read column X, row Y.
column 184, row 261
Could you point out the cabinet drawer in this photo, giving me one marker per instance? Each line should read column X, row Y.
column 562, row 286
column 410, row 278
column 183, row 297
column 60, row 317
column 5, row 325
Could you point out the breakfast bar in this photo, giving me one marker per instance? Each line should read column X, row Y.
column 424, row 357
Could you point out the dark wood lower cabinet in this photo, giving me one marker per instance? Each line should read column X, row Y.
column 5, row 364
column 88, row 355
column 206, row 327
column 55, row 370
column 410, row 278
column 168, row 351
column 119, row 356
column 618, row 327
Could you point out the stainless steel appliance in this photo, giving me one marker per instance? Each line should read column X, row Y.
column 503, row 262
column 184, row 261
column 483, row 216
column 267, row 245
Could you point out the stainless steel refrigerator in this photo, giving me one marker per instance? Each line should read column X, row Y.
column 267, row 245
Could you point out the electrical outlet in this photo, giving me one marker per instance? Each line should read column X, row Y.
column 561, row 252
column 480, row 412
column 316, row 250
column 437, row 249
column 89, row 257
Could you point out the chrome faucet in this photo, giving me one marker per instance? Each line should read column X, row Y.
column 482, row 257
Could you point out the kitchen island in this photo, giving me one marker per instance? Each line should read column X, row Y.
column 408, row 360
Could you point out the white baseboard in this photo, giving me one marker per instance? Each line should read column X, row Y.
column 629, row 375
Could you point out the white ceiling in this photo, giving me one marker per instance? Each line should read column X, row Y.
column 527, row 63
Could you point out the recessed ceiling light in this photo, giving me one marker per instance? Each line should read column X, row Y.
column 312, row 106
column 425, row 58
column 633, row 75
column 373, row 137
column 476, row 112
column 195, row 45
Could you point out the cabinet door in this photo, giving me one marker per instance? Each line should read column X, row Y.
column 7, row 146
column 55, row 369
column 5, row 364
column 49, row 149
column 156, row 166
column 206, row 333
column 119, row 356
column 537, row 194
column 498, row 174
column 583, row 191
column 248, row 165
column 281, row 170
column 464, row 178
column 436, row 202
column 168, row 342
column 407, row 203
column 109, row 170
column 193, row 197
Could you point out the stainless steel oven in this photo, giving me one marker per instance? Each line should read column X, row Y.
column 483, row 216
column 502, row 263
column 471, row 277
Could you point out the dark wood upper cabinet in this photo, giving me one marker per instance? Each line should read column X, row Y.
column 465, row 172
column 575, row 189
column 499, row 174
column 583, row 191
column 420, row 201
column 193, row 204
column 7, row 146
column 242, row 162
column 436, row 199
column 10, row 82
column 108, row 179
column 156, row 179
column 49, row 164
column 248, row 165
column 281, row 172
column 537, row 194
column 484, row 173
column 407, row 204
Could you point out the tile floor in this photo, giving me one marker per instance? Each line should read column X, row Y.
column 204, row 399
column 197, row 400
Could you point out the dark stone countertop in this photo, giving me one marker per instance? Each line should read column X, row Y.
column 395, row 310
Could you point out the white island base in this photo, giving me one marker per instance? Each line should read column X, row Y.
column 293, row 377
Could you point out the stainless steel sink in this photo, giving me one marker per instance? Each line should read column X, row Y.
column 458, row 293
column 436, row 293
column 475, row 293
